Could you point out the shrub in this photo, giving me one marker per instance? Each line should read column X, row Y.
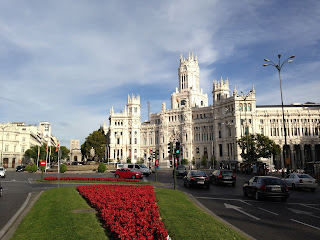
column 34, row 168
column 184, row 161
column 28, row 168
column 102, row 167
column 63, row 168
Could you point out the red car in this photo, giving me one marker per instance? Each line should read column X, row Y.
column 127, row 173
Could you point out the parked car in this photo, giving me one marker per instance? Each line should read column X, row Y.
column 127, row 173
column 223, row 176
column 261, row 187
column 181, row 170
column 196, row 178
column 20, row 168
column 301, row 180
column 2, row 172
column 1, row 190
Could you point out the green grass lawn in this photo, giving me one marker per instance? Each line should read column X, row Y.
column 53, row 217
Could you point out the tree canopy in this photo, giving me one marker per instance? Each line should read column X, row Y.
column 257, row 146
column 96, row 140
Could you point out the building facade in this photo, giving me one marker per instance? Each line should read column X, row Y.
column 17, row 137
column 212, row 131
column 75, row 151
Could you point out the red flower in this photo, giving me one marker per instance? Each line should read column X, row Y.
column 128, row 211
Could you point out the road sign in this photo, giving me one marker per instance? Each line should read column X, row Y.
column 42, row 163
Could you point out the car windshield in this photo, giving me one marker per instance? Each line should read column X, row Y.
column 142, row 166
column 304, row 176
column 181, row 167
column 227, row 173
column 198, row 173
column 273, row 181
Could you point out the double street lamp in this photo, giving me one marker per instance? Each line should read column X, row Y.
column 279, row 67
column 245, row 108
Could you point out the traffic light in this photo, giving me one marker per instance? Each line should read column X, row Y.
column 170, row 147
column 177, row 148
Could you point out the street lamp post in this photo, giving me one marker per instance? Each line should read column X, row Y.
column 244, row 97
column 3, row 128
column 279, row 67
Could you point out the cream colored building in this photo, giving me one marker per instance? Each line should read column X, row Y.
column 75, row 151
column 212, row 131
column 17, row 137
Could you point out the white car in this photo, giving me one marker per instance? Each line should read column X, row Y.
column 2, row 172
column 301, row 180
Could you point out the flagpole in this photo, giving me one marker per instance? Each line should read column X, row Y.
column 38, row 156
column 46, row 157
column 59, row 165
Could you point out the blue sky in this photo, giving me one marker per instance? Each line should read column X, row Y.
column 69, row 62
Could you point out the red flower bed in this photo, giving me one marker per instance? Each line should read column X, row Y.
column 129, row 212
column 90, row 179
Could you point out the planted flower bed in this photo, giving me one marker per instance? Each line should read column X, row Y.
column 90, row 179
column 129, row 212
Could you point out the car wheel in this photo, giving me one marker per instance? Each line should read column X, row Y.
column 313, row 189
column 257, row 196
column 245, row 194
column 293, row 186
column 117, row 176
column 133, row 176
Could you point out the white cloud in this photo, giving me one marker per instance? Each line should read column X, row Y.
column 69, row 62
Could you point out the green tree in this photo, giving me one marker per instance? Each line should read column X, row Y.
column 184, row 161
column 32, row 153
column 97, row 141
column 257, row 146
column 204, row 161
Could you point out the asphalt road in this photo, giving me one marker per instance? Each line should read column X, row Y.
column 298, row 218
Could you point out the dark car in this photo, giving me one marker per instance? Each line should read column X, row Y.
column 196, row 178
column 261, row 187
column 223, row 176
column 20, row 168
column 181, row 170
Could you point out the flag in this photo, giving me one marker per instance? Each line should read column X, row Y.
column 50, row 152
column 177, row 100
column 58, row 146
column 38, row 151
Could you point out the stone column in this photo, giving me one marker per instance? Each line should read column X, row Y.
column 293, row 160
column 313, row 153
column 302, row 156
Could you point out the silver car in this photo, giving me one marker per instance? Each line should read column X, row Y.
column 2, row 172
column 301, row 180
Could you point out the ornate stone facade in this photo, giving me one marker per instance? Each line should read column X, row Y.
column 212, row 131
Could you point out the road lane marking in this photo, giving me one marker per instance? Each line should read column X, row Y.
column 245, row 202
column 239, row 210
column 144, row 179
column 269, row 211
column 297, row 211
column 305, row 205
column 305, row 224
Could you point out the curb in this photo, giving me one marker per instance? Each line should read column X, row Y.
column 9, row 229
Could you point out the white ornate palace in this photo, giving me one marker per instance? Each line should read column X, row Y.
column 212, row 131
